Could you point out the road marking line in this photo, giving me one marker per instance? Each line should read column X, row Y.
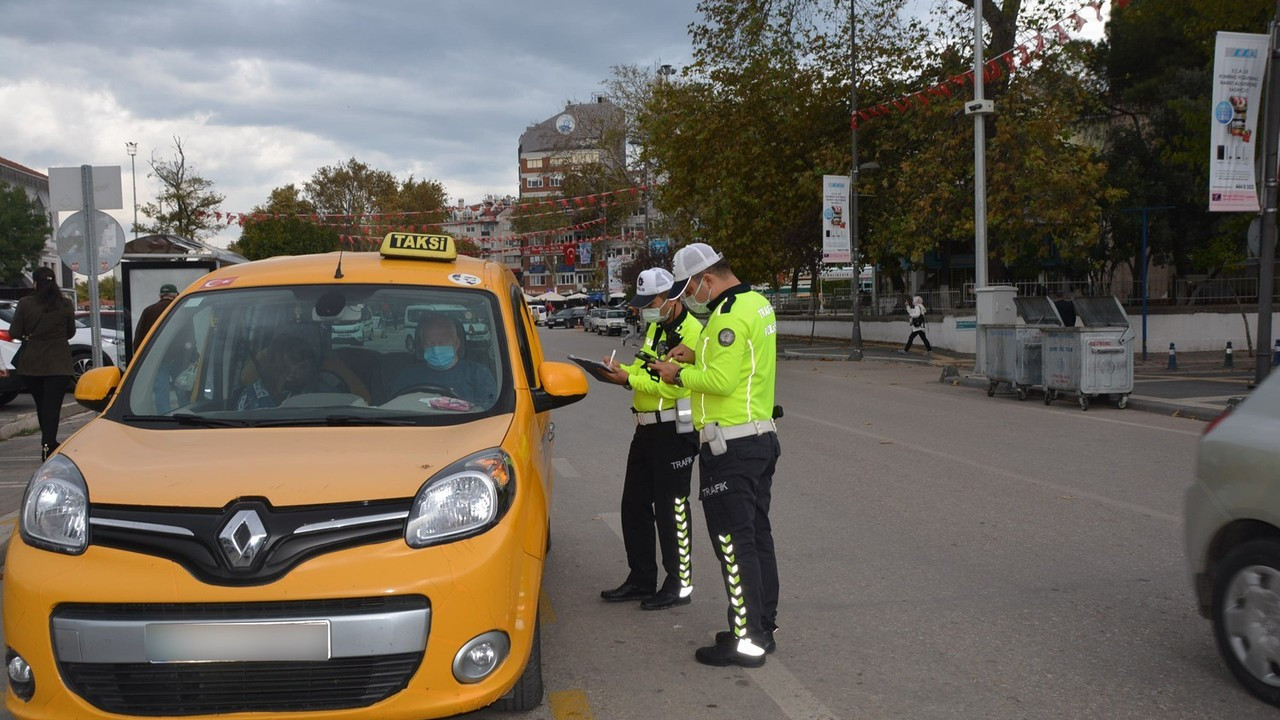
column 570, row 705
column 789, row 694
column 13, row 484
column 614, row 521
column 1045, row 484
column 1193, row 402
column 546, row 613
column 564, row 468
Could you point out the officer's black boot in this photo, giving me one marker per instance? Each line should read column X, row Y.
column 668, row 596
column 725, row 637
column 743, row 652
column 627, row 591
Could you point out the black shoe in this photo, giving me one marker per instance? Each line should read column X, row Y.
column 725, row 637
column 664, row 599
column 722, row 654
column 626, row 591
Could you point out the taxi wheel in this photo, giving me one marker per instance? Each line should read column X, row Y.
column 527, row 693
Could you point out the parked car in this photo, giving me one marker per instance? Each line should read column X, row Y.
column 559, row 318
column 539, row 313
column 81, row 343
column 614, row 322
column 355, row 323
column 112, row 320
column 1232, row 533
column 592, row 319
column 11, row 384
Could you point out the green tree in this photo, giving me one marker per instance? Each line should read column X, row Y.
column 1154, row 72
column 23, row 230
column 106, row 290
column 285, row 236
column 186, row 203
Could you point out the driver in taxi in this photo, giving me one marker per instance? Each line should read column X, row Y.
column 439, row 348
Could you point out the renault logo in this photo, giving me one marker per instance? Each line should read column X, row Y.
column 242, row 538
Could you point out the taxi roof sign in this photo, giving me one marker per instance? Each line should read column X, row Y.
column 419, row 246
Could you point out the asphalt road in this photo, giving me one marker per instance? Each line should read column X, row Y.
column 943, row 555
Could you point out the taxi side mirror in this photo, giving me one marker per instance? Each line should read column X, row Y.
column 562, row 384
column 95, row 387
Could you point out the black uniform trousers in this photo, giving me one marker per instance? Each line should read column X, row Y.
column 736, row 489
column 656, row 493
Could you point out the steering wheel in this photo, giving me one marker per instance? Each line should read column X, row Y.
column 428, row 388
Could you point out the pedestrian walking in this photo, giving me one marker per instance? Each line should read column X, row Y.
column 655, row 491
column 915, row 309
column 45, row 321
column 732, row 379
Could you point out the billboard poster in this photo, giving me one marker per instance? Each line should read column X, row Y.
column 1239, row 60
column 614, row 281
column 835, row 222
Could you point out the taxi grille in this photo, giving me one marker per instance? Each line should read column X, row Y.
column 147, row 689
column 189, row 536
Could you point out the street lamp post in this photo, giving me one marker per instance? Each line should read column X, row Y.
column 855, row 339
column 132, row 149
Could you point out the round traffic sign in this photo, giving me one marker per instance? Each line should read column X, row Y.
column 74, row 251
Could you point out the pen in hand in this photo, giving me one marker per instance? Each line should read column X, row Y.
column 615, row 352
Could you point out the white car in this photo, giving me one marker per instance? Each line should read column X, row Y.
column 355, row 323
column 1232, row 533
column 81, row 343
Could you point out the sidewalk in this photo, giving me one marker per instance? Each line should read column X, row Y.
column 1201, row 387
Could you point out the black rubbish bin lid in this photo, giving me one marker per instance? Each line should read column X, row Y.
column 1101, row 312
column 1037, row 311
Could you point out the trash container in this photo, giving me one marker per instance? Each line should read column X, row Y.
column 1014, row 351
column 1091, row 361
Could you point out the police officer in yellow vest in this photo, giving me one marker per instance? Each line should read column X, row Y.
column 660, row 461
column 732, row 379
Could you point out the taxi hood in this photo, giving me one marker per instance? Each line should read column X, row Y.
column 205, row 467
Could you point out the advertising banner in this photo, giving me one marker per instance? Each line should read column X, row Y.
column 835, row 219
column 1239, row 60
column 614, row 267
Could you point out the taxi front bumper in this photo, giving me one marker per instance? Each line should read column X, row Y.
column 397, row 618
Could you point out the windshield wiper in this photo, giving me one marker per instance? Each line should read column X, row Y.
column 338, row 421
column 190, row 420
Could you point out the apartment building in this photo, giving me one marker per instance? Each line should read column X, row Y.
column 36, row 184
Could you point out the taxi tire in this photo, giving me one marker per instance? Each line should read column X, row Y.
column 527, row 693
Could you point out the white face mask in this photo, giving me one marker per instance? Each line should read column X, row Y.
column 691, row 301
column 651, row 315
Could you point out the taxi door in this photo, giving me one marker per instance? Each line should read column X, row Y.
column 530, row 350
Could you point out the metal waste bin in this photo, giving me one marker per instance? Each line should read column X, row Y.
column 1093, row 360
column 1014, row 351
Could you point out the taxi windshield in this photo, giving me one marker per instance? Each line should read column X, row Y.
column 322, row 355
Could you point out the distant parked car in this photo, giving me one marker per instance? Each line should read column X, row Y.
column 112, row 320
column 560, row 318
column 1231, row 526
column 614, row 322
column 591, row 319
column 539, row 313
column 11, row 384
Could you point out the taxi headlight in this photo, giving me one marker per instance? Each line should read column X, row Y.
column 55, row 508
column 464, row 499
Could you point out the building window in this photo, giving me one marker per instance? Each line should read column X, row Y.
column 533, row 163
column 533, row 182
column 566, row 279
column 537, row 279
column 485, row 233
column 557, row 181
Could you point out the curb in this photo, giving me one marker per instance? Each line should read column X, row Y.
column 29, row 422
column 950, row 376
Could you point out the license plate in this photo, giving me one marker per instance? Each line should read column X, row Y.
column 238, row 642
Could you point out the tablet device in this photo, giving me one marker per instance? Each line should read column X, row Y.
column 595, row 368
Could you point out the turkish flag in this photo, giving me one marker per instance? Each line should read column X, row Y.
column 570, row 255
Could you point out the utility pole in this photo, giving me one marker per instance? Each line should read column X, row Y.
column 855, row 345
column 1267, row 249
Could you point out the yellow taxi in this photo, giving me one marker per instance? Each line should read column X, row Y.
column 268, row 523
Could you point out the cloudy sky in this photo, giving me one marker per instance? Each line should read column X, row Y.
column 264, row 92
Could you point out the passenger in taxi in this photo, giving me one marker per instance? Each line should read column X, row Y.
column 288, row 366
column 439, row 347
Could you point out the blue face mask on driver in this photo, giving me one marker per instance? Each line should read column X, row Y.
column 439, row 356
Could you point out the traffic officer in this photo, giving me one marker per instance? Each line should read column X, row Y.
column 660, row 461
column 732, row 379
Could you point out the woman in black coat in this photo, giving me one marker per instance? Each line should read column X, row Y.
column 44, row 321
